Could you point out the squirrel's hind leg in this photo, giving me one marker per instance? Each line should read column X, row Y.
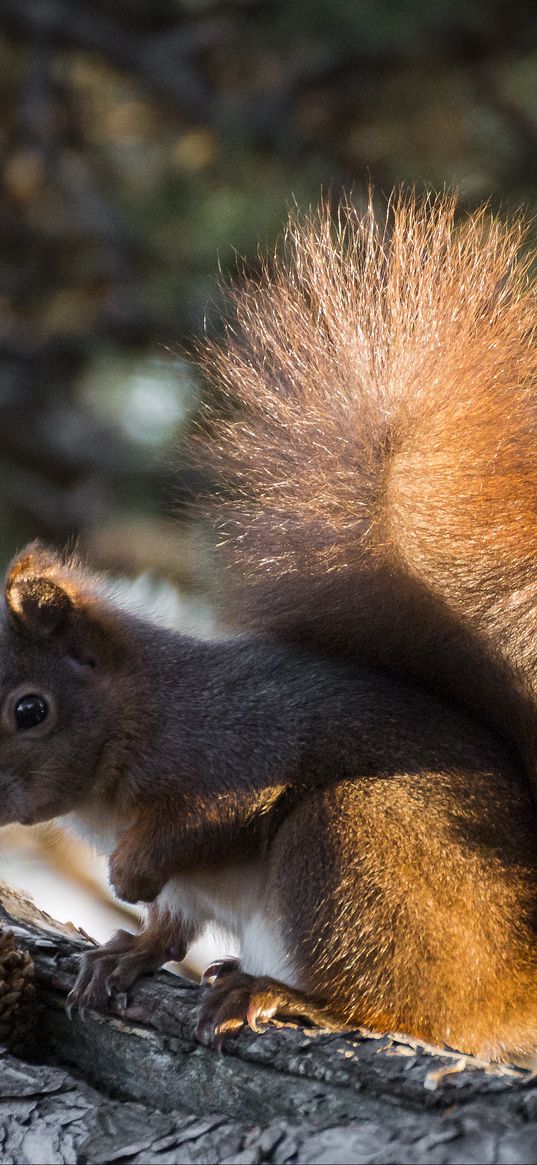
column 236, row 1000
column 109, row 971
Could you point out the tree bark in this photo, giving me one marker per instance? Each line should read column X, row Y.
column 135, row 1085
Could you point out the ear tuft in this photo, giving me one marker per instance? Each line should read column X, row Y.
column 34, row 597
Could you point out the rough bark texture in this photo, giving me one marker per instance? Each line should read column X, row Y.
column 136, row 1087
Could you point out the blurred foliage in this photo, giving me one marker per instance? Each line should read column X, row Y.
column 144, row 143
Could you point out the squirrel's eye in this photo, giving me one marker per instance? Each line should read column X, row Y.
column 29, row 711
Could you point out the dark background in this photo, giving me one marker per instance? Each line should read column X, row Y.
column 145, row 143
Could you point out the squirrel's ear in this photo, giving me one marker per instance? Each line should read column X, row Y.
column 37, row 596
column 50, row 598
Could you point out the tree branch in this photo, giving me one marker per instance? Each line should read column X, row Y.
column 135, row 1084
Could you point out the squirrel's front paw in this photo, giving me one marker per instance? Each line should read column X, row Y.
column 131, row 883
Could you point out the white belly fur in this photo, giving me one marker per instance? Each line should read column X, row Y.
column 229, row 899
column 93, row 826
column 232, row 900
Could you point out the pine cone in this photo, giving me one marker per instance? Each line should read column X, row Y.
column 17, row 992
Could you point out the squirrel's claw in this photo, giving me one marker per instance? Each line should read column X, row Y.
column 87, row 992
column 235, row 1000
column 70, row 1005
column 107, row 973
column 218, row 969
column 90, row 990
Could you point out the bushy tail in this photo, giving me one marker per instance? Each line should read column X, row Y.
column 380, row 471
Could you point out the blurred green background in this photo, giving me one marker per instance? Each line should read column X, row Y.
column 144, row 144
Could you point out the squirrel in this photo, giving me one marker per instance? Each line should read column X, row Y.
column 346, row 785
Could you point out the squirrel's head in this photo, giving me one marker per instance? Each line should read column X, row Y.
column 60, row 670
